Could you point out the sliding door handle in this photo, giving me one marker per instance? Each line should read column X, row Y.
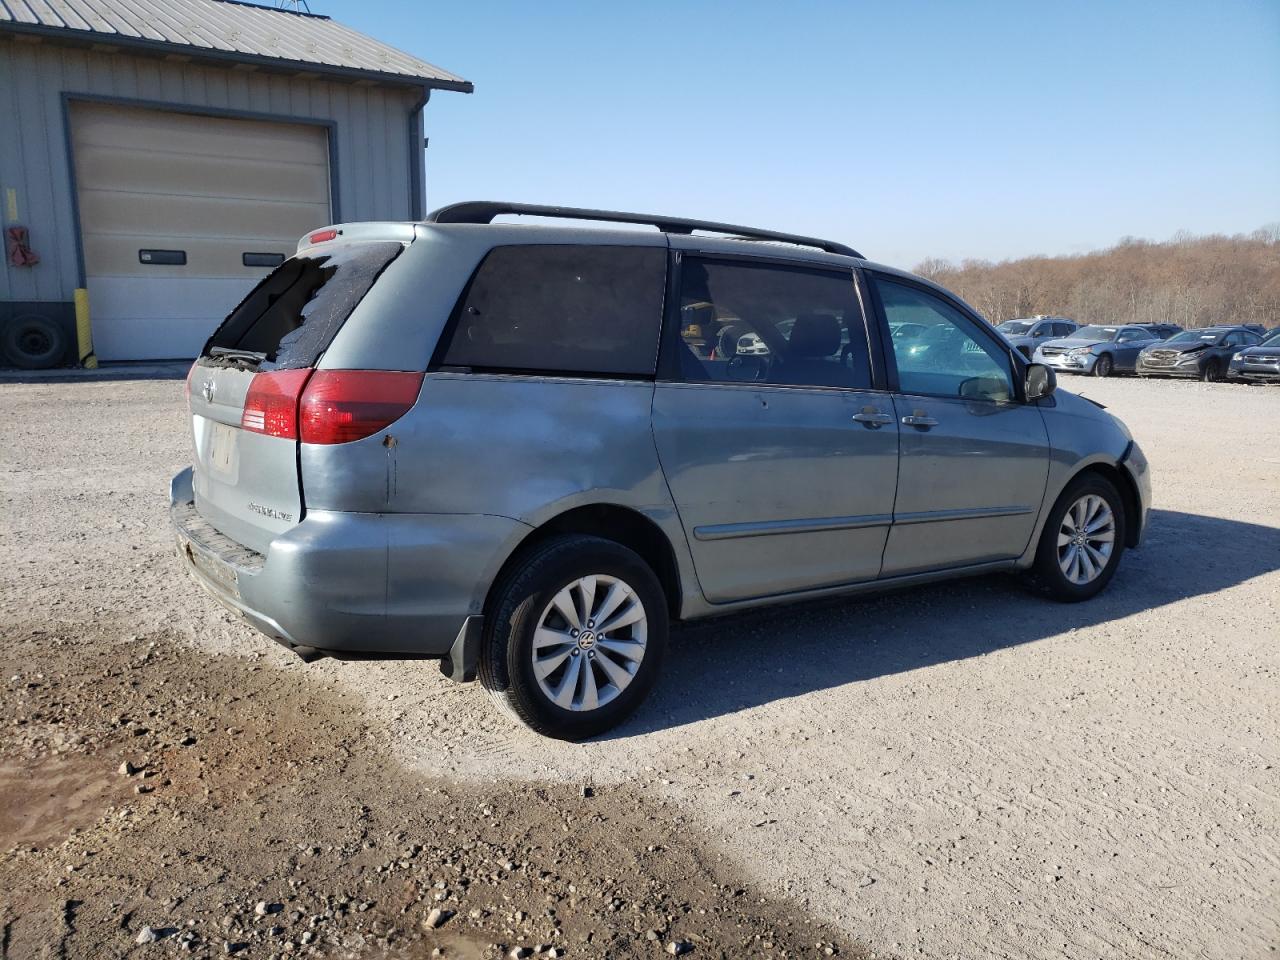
column 870, row 417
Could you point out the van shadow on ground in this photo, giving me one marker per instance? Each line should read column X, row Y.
column 728, row 664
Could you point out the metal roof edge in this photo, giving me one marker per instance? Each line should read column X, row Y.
column 90, row 38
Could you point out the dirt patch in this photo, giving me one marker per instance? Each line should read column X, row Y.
column 228, row 806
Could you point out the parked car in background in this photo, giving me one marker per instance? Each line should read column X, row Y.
column 1028, row 333
column 1257, row 328
column 493, row 444
column 1204, row 354
column 1162, row 330
column 1259, row 363
column 1098, row 350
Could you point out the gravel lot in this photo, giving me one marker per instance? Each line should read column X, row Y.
column 959, row 770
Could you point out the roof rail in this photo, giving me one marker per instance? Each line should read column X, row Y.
column 484, row 211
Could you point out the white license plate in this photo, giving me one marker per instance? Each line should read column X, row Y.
column 222, row 449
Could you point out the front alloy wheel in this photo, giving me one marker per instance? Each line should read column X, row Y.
column 1082, row 540
column 1103, row 366
column 1086, row 537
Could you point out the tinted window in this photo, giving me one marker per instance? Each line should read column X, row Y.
column 1063, row 329
column 951, row 358
column 767, row 323
column 562, row 309
column 294, row 313
column 1015, row 328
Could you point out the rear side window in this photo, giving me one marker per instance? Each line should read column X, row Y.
column 292, row 316
column 770, row 323
column 561, row 309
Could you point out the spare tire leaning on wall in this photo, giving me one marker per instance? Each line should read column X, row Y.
column 33, row 342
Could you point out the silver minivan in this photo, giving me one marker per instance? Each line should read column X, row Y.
column 526, row 449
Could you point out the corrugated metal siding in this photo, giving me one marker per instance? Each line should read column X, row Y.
column 371, row 134
column 233, row 28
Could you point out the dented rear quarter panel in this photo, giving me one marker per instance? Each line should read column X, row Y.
column 521, row 448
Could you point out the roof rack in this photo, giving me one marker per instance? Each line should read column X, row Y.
column 484, row 211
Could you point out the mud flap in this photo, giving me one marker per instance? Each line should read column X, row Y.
column 460, row 663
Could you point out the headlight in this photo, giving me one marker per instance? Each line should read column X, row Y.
column 1238, row 356
column 1080, row 352
column 1189, row 357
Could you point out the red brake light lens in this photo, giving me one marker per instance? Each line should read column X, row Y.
column 322, row 235
column 271, row 403
column 339, row 406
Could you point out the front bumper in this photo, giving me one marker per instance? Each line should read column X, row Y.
column 1135, row 465
column 1192, row 370
column 1066, row 363
column 356, row 583
column 1260, row 372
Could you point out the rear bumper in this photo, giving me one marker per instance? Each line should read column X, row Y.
column 355, row 583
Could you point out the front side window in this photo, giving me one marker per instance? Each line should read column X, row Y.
column 1130, row 336
column 950, row 358
column 561, row 309
column 770, row 323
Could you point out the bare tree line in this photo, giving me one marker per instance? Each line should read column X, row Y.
column 1193, row 281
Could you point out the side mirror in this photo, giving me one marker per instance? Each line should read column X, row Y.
column 1040, row 381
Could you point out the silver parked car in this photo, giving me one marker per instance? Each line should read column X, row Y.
column 1028, row 333
column 1100, row 350
column 511, row 448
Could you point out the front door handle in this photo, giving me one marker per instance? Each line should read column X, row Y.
column 918, row 418
column 872, row 418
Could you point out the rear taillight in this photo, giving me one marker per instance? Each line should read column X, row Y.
column 271, row 404
column 339, row 406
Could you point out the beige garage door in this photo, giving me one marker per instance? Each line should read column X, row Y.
column 178, row 212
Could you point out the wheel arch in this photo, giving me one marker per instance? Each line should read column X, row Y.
column 623, row 525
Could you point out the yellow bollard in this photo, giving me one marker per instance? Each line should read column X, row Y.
column 84, row 333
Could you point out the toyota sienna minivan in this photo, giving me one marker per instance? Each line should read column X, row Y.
column 525, row 449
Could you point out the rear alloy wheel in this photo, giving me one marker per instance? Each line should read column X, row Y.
column 1212, row 372
column 1082, row 540
column 575, row 638
column 1103, row 366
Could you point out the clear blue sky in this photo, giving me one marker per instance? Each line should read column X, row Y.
column 952, row 129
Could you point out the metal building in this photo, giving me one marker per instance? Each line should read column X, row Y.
column 162, row 155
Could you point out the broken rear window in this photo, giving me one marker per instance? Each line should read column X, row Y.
column 292, row 316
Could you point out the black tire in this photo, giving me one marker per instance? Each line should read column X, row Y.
column 1212, row 372
column 1046, row 575
column 1103, row 366
column 33, row 342
column 513, row 613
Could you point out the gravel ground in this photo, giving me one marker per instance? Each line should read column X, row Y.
column 956, row 770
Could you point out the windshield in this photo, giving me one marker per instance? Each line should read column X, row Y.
column 1015, row 327
column 1272, row 337
column 1095, row 333
column 1195, row 336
